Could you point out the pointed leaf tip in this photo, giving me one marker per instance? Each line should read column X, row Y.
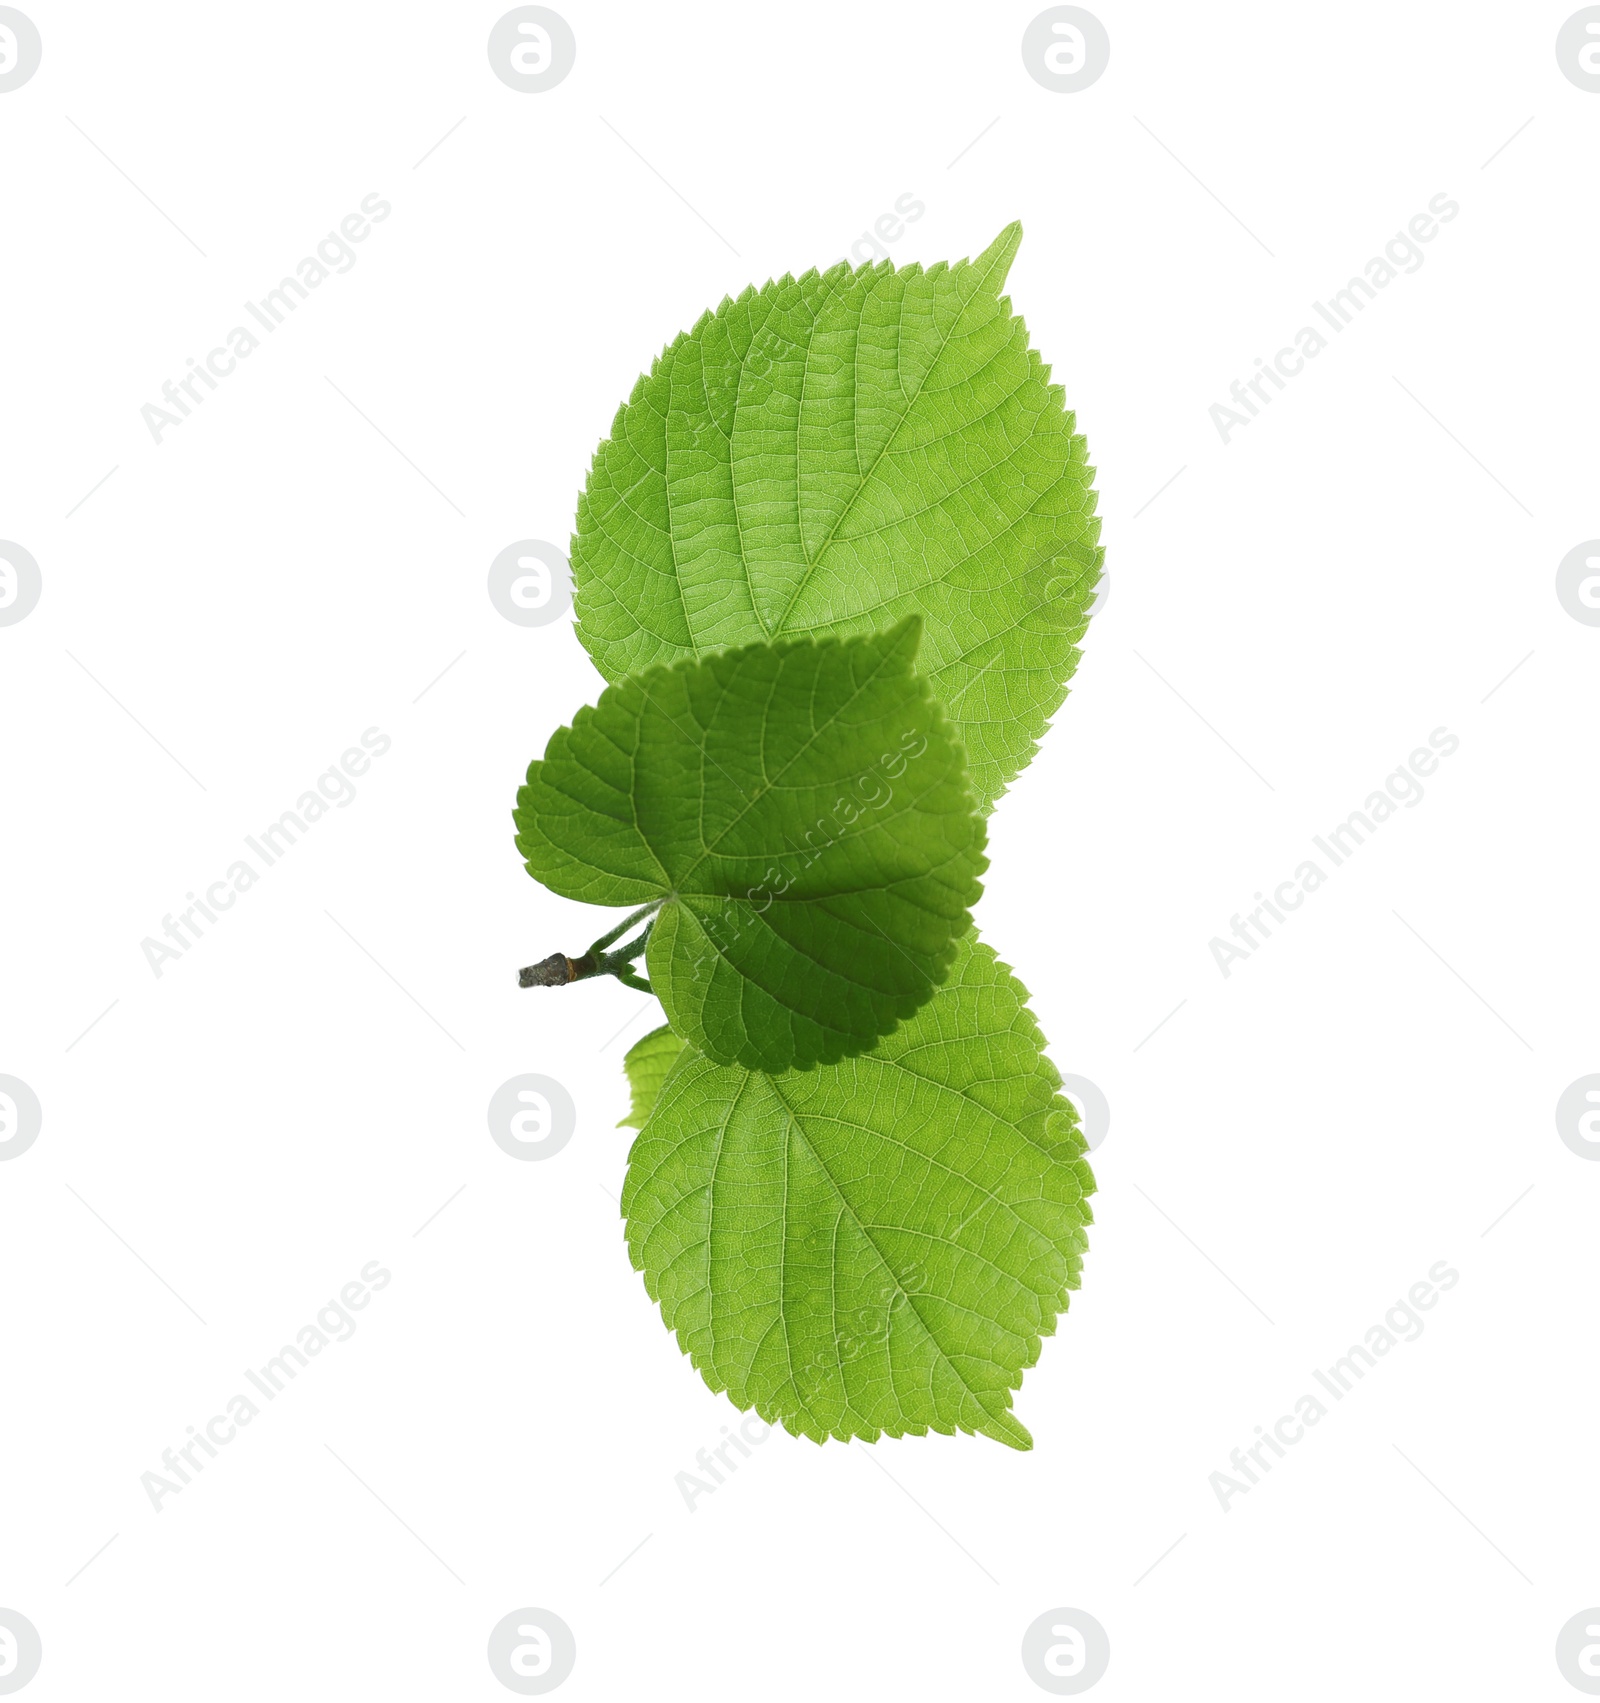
column 906, row 634
column 997, row 257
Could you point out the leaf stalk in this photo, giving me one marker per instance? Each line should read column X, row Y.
column 559, row 969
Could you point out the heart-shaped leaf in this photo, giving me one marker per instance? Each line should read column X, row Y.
column 801, row 814
column 876, row 1245
column 829, row 453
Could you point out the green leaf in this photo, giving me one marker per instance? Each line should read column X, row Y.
column 802, row 812
column 827, row 454
column 875, row 1246
column 647, row 1063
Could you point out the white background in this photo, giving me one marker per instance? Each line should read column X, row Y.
column 1354, row 1103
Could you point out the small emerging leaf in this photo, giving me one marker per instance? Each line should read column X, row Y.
column 829, row 453
column 875, row 1246
column 802, row 813
column 647, row 1063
